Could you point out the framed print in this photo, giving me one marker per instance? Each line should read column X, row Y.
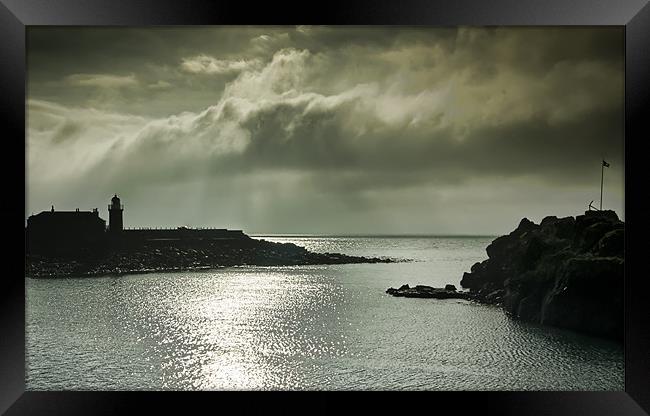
column 421, row 198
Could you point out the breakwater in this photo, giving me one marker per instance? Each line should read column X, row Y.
column 182, row 254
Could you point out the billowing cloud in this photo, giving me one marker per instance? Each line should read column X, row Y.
column 364, row 128
column 203, row 64
column 269, row 43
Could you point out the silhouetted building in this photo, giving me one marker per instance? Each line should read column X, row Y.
column 62, row 231
column 78, row 232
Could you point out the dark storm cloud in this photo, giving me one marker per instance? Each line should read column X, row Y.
column 366, row 116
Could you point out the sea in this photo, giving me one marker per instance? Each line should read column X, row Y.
column 329, row 327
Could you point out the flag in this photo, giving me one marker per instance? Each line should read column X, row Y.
column 605, row 164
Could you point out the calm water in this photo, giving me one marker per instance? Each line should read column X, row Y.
column 306, row 327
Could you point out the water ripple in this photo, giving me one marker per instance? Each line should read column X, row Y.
column 312, row 327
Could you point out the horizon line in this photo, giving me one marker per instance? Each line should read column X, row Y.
column 366, row 235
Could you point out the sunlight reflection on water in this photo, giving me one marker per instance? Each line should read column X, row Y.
column 303, row 327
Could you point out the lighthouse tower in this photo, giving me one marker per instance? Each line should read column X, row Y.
column 115, row 209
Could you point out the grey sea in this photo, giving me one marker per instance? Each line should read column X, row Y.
column 306, row 327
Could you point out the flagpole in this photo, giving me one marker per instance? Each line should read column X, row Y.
column 602, row 173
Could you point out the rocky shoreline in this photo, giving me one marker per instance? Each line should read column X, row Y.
column 185, row 255
column 564, row 272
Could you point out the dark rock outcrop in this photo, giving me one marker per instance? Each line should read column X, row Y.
column 420, row 291
column 565, row 272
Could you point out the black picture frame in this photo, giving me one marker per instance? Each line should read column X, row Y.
column 16, row 15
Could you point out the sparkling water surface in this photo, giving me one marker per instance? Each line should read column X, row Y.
column 301, row 327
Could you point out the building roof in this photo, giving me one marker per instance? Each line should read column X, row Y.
column 67, row 215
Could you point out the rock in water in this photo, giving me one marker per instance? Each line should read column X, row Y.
column 565, row 272
column 421, row 291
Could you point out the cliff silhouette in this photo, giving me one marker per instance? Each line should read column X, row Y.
column 565, row 272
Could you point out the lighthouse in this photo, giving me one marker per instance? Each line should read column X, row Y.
column 115, row 209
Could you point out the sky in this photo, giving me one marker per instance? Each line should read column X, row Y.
column 326, row 130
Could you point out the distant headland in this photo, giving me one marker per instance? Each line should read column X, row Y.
column 79, row 243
